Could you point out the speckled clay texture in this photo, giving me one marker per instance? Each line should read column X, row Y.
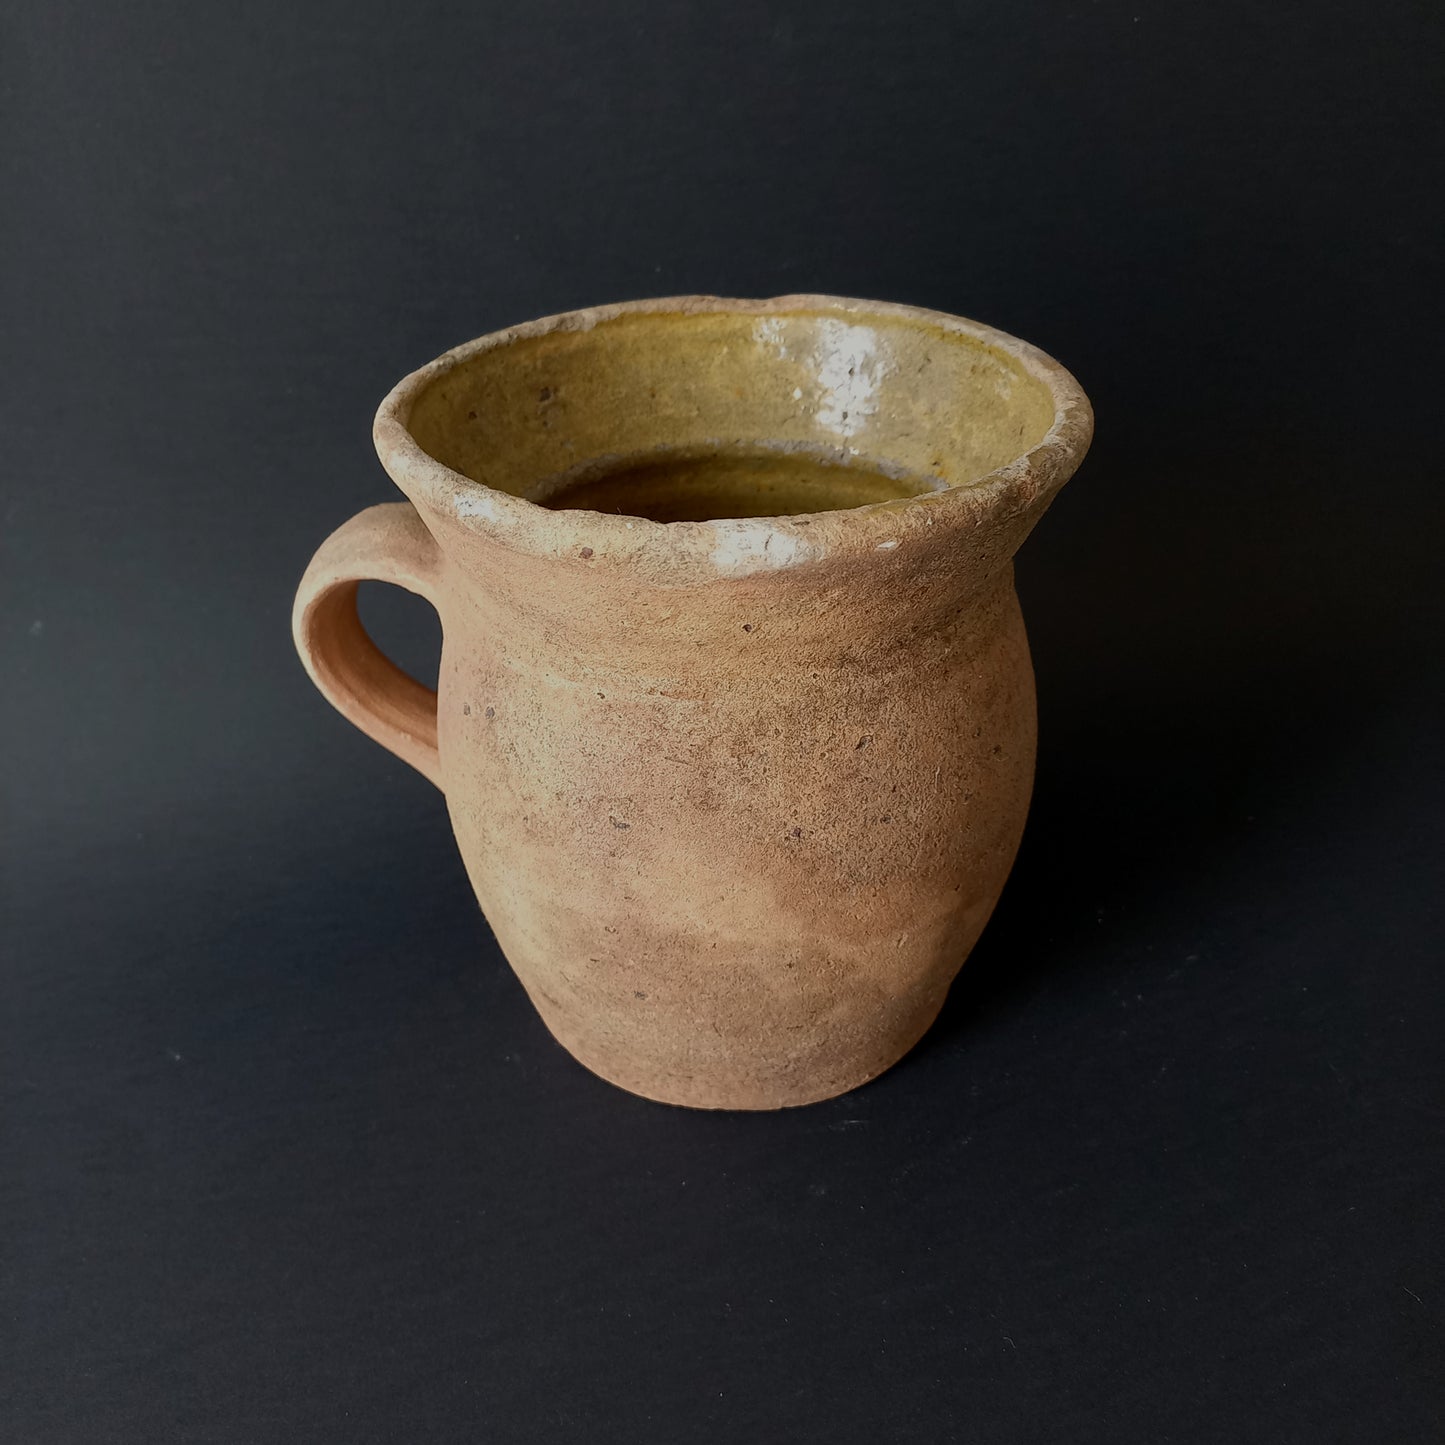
column 737, row 797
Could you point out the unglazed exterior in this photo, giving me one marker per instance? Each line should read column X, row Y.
column 736, row 796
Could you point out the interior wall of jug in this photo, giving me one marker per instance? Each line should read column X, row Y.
column 905, row 397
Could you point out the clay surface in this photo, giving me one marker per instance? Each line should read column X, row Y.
column 738, row 792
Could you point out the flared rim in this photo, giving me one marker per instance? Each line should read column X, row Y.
column 689, row 552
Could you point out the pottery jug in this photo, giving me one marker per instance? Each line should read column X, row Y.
column 735, row 716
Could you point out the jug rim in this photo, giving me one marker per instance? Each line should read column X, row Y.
column 675, row 552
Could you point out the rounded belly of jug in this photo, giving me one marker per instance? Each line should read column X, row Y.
column 748, row 896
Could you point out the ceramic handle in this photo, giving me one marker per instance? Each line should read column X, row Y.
column 388, row 543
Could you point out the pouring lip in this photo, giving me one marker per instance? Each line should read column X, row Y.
column 691, row 553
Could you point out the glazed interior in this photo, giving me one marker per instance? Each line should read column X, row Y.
column 715, row 414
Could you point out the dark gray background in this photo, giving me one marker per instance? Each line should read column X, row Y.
column 286, row 1156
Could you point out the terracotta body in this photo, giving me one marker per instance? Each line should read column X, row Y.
column 736, row 796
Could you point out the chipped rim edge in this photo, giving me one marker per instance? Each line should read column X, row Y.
column 682, row 553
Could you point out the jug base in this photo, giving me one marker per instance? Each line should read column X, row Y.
column 744, row 1089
